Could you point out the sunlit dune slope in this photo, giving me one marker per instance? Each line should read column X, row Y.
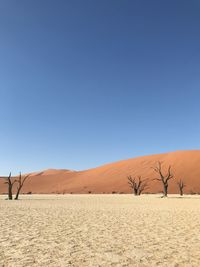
column 113, row 177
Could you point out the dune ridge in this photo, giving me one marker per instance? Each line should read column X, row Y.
column 112, row 177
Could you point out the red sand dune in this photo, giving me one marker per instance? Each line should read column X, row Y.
column 113, row 177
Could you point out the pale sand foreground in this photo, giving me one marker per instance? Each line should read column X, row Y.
column 100, row 230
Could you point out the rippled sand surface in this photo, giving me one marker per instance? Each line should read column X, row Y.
column 100, row 230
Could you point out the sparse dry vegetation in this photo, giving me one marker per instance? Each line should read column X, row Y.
column 137, row 184
column 20, row 183
column 9, row 181
column 163, row 178
column 181, row 185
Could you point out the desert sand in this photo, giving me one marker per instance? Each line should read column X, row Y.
column 113, row 177
column 100, row 230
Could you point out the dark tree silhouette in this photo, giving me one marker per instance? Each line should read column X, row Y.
column 164, row 179
column 20, row 182
column 181, row 185
column 10, row 184
column 137, row 185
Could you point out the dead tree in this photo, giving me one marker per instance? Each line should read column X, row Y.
column 10, row 184
column 137, row 185
column 181, row 185
column 20, row 182
column 143, row 186
column 164, row 179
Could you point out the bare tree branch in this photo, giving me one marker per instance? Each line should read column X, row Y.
column 138, row 185
column 20, row 182
column 181, row 185
column 10, row 186
column 164, row 179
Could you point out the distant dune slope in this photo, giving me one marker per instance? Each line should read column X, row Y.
column 113, row 177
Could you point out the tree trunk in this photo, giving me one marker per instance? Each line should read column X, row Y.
column 10, row 192
column 135, row 192
column 181, row 191
column 165, row 190
column 17, row 195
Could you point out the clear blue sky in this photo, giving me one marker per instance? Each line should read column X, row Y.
column 83, row 83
